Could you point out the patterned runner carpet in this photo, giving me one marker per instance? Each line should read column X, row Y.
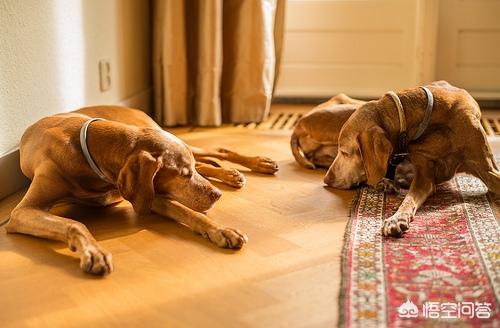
column 444, row 272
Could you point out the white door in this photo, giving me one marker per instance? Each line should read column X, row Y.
column 469, row 45
column 367, row 47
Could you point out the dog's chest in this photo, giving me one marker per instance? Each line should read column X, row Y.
column 98, row 199
column 95, row 191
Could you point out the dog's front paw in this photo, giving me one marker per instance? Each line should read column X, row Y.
column 388, row 186
column 233, row 178
column 227, row 238
column 264, row 165
column 396, row 225
column 94, row 259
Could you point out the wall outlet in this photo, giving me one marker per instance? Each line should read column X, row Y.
column 104, row 75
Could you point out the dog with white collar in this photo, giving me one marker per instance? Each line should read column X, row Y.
column 104, row 154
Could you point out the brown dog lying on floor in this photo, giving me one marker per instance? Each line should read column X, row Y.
column 125, row 154
column 315, row 137
column 314, row 140
column 451, row 140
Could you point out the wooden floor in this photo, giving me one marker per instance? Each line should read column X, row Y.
column 288, row 274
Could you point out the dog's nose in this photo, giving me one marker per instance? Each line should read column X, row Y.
column 328, row 180
column 215, row 194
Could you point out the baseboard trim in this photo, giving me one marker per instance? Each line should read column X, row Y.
column 483, row 103
column 11, row 177
column 489, row 103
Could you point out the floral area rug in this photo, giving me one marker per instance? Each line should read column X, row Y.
column 445, row 271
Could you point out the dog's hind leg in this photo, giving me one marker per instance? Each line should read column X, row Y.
column 207, row 160
column 198, row 222
column 492, row 176
column 492, row 181
column 488, row 173
column 481, row 162
column 231, row 177
column 257, row 163
column 297, row 153
column 342, row 98
column 31, row 217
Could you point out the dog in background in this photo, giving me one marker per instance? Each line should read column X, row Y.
column 314, row 139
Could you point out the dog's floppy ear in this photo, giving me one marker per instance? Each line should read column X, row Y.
column 375, row 151
column 135, row 181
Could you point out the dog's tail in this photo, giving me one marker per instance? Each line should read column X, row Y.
column 297, row 153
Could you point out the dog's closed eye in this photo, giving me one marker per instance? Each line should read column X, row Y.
column 344, row 153
column 186, row 172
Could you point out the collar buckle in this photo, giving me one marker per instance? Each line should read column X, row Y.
column 397, row 158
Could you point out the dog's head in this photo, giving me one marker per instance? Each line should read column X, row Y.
column 364, row 150
column 164, row 165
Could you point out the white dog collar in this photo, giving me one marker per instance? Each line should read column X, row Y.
column 85, row 149
column 401, row 113
column 401, row 150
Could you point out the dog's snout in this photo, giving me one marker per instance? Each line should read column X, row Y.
column 337, row 182
column 328, row 180
column 215, row 194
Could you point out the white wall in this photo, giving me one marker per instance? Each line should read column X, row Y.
column 49, row 54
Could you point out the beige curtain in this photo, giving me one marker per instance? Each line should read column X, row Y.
column 215, row 61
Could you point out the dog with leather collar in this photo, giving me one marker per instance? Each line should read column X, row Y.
column 401, row 151
column 441, row 135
